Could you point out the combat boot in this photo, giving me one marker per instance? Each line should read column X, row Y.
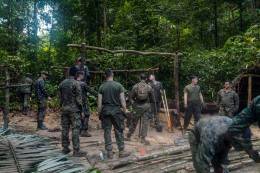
column 41, row 126
column 110, row 154
column 25, row 111
column 85, row 133
column 144, row 141
column 79, row 153
column 65, row 150
column 44, row 127
column 124, row 153
column 159, row 128
column 128, row 137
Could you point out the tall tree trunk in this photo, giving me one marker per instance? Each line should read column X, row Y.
column 215, row 9
column 10, row 29
column 253, row 4
column 240, row 6
column 104, row 20
column 178, row 35
column 98, row 18
column 35, row 27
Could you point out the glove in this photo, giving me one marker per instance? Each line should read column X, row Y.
column 253, row 154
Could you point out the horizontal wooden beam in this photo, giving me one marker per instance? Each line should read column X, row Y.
column 250, row 75
column 130, row 71
column 13, row 86
column 115, row 70
column 135, row 52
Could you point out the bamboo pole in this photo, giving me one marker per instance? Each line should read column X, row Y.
column 167, row 110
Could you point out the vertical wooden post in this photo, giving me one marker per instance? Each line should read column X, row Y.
column 249, row 96
column 7, row 99
column 83, row 51
column 176, row 82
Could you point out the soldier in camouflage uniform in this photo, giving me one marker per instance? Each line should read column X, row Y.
column 80, row 65
column 42, row 97
column 71, row 105
column 85, row 114
column 26, row 92
column 155, row 107
column 142, row 97
column 212, row 138
column 227, row 100
column 111, row 108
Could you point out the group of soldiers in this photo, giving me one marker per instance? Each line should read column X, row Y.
column 213, row 136
column 210, row 139
column 144, row 98
column 112, row 109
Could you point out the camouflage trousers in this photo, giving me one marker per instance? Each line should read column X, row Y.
column 25, row 101
column 155, row 108
column 70, row 120
column 115, row 120
column 142, row 113
column 225, row 111
column 202, row 157
column 85, row 114
column 42, row 106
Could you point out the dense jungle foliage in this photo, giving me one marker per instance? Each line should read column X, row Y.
column 218, row 38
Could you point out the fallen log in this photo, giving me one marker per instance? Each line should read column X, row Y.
column 170, row 151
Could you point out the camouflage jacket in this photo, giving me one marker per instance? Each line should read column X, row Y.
column 242, row 121
column 228, row 99
column 70, row 95
column 210, row 132
column 85, row 89
column 40, row 90
column 26, row 89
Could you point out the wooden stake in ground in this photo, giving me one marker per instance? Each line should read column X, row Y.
column 7, row 99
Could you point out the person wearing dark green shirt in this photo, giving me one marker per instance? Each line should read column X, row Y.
column 193, row 101
column 111, row 108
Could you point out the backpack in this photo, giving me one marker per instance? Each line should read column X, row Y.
column 142, row 91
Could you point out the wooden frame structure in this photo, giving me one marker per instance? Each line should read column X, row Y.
column 83, row 48
column 247, row 84
column 6, row 87
column 250, row 85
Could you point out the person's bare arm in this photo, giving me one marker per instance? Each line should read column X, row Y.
column 185, row 99
column 201, row 98
column 123, row 102
column 99, row 103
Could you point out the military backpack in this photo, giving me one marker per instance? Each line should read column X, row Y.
column 142, row 91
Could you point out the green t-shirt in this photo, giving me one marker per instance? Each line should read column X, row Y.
column 110, row 91
column 193, row 92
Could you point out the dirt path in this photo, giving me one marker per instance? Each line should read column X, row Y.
column 95, row 144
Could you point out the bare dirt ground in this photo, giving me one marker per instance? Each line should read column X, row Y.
column 95, row 144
